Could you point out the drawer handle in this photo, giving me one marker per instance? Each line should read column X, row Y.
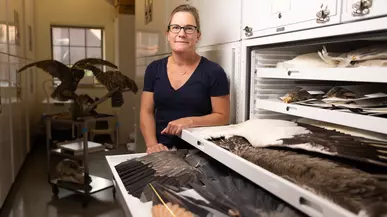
column 361, row 7
column 311, row 207
column 290, row 72
column 288, row 108
column 323, row 14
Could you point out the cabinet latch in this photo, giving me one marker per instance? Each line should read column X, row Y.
column 323, row 14
column 361, row 7
column 248, row 31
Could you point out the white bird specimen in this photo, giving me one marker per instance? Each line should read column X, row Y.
column 309, row 60
column 373, row 52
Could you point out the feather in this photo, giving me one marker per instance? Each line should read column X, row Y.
column 345, row 185
column 237, row 196
column 113, row 80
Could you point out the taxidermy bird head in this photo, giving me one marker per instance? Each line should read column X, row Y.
column 296, row 95
column 69, row 77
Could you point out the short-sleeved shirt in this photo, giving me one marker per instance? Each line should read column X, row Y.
column 192, row 99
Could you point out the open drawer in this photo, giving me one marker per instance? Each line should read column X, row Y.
column 300, row 198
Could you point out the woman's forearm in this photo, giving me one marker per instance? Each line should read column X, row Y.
column 148, row 128
column 213, row 119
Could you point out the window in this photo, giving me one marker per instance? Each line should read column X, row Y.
column 70, row 44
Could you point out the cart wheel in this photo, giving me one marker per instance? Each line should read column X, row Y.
column 114, row 192
column 55, row 190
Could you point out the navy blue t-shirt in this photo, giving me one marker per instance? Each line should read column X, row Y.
column 192, row 99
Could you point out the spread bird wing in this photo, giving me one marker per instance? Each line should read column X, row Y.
column 130, row 84
column 101, row 76
column 53, row 67
column 93, row 61
column 167, row 167
column 164, row 167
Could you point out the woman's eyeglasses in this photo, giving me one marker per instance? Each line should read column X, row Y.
column 189, row 29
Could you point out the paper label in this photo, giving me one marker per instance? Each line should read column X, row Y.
column 279, row 6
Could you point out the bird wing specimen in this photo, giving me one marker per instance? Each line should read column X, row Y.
column 80, row 64
column 351, row 188
column 52, row 67
column 288, row 134
column 168, row 167
column 113, row 80
column 65, row 90
column 237, row 196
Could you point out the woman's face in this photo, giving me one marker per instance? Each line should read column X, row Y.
column 182, row 40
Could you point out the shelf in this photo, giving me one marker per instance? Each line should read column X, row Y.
column 59, row 152
column 97, row 184
column 363, row 74
column 287, row 191
column 364, row 122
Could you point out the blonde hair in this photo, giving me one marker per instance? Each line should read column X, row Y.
column 186, row 8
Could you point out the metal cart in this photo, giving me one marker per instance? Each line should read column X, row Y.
column 98, row 183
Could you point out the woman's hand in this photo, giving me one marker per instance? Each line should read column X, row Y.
column 156, row 148
column 175, row 127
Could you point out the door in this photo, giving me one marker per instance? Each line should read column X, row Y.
column 279, row 16
column 18, row 112
column 6, row 151
column 313, row 13
column 220, row 26
column 228, row 57
column 363, row 9
column 255, row 17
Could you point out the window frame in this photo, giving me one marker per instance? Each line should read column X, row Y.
column 95, row 82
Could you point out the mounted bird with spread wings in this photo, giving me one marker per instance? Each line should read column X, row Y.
column 115, row 82
column 69, row 77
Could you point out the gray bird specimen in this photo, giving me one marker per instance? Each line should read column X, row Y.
column 345, row 185
column 69, row 77
column 113, row 81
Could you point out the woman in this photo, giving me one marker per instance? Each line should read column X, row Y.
column 182, row 90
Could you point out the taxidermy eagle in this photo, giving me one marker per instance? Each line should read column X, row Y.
column 331, row 164
column 115, row 82
column 69, row 76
